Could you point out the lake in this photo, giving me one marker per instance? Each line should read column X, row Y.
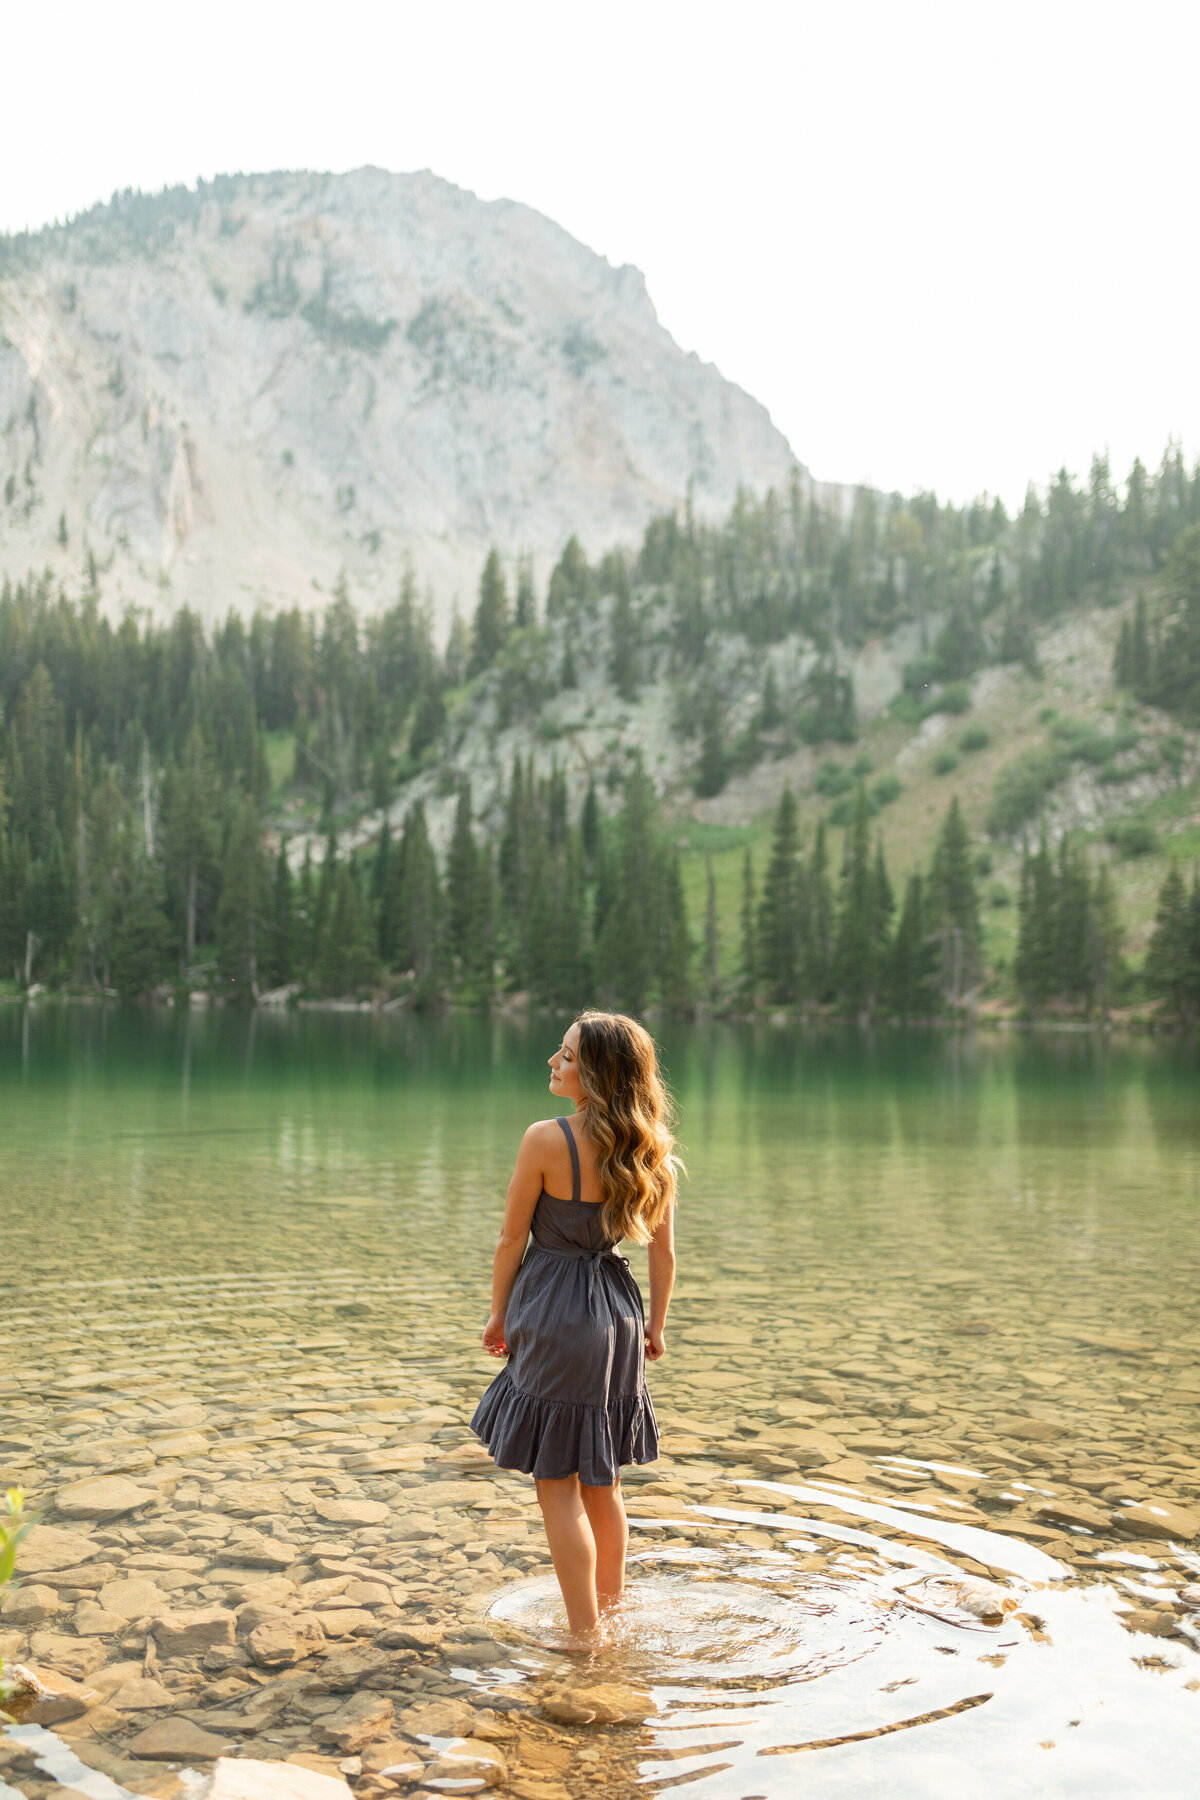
column 937, row 1322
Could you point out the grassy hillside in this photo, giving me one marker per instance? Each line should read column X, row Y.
column 1011, row 706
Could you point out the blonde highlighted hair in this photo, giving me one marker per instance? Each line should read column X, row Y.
column 628, row 1117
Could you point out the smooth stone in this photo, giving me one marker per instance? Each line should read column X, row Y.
column 607, row 1703
column 251, row 1499
column 261, row 1552
column 192, row 1633
column 91, row 1620
column 1032, row 1431
column 181, row 1444
column 348, row 1621
column 132, row 1598
column 368, row 1593
column 410, row 1637
column 50, row 1697
column 386, row 1462
column 29, row 1605
column 1149, row 1620
column 1069, row 1512
column 73, row 1656
column 436, row 1718
column 1155, row 1518
column 141, row 1695
column 245, row 1779
column 275, row 1645
column 176, row 1740
column 353, row 1512
column 50, row 1547
column 102, row 1497
column 343, row 1670
column 468, row 1759
column 242, row 1778
column 358, row 1723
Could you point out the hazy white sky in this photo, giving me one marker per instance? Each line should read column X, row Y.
column 948, row 245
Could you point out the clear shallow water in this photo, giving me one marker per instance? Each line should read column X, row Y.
column 930, row 1287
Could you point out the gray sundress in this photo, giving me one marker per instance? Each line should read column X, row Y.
column 572, row 1398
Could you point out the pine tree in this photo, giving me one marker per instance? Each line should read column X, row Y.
column 712, row 935
column 1072, row 918
column 526, row 613
column 1103, row 943
column 675, row 982
column 491, row 624
column 243, row 911
column 282, row 966
column 589, row 832
column 780, row 951
column 347, row 963
column 818, row 973
column 1139, row 652
column 419, row 910
column 711, row 773
column 864, row 907
column 624, row 650
column 190, row 849
column 1036, row 928
column 748, row 964
column 953, row 908
column 142, row 937
column 461, row 883
column 1170, row 953
column 911, row 964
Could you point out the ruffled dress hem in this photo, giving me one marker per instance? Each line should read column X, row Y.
column 551, row 1439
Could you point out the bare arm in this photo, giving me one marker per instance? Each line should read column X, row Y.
column 662, row 1280
column 523, row 1191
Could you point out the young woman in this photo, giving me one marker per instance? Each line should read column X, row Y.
column 571, row 1405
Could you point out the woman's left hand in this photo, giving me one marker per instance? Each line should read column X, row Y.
column 656, row 1345
column 493, row 1337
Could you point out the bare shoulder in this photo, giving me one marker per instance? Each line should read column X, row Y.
column 542, row 1131
column 542, row 1136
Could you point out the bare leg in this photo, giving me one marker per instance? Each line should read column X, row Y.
column 572, row 1549
column 606, row 1515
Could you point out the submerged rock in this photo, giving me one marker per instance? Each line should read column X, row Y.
column 241, row 1778
column 103, row 1497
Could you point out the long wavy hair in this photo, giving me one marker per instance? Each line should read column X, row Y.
column 628, row 1117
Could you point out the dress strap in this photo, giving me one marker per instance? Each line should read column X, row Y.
column 576, row 1181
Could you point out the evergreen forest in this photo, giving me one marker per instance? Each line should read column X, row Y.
column 246, row 811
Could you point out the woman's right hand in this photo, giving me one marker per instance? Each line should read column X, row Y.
column 656, row 1344
column 493, row 1337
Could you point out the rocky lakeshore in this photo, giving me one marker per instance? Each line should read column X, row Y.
column 293, row 1568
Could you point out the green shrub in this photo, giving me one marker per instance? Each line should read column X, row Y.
column 885, row 790
column 834, row 778
column 1133, row 837
column 1022, row 786
column 975, row 737
column 905, row 708
column 955, row 697
column 862, row 765
column 1171, row 750
column 998, row 895
column 945, row 762
column 983, row 864
column 920, row 675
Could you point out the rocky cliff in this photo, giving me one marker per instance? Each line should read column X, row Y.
column 228, row 395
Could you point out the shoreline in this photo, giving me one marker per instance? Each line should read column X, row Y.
column 1126, row 1022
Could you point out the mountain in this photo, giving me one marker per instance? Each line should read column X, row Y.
column 228, row 395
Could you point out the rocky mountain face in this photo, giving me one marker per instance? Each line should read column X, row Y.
column 231, row 394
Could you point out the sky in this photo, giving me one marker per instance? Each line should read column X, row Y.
column 949, row 246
